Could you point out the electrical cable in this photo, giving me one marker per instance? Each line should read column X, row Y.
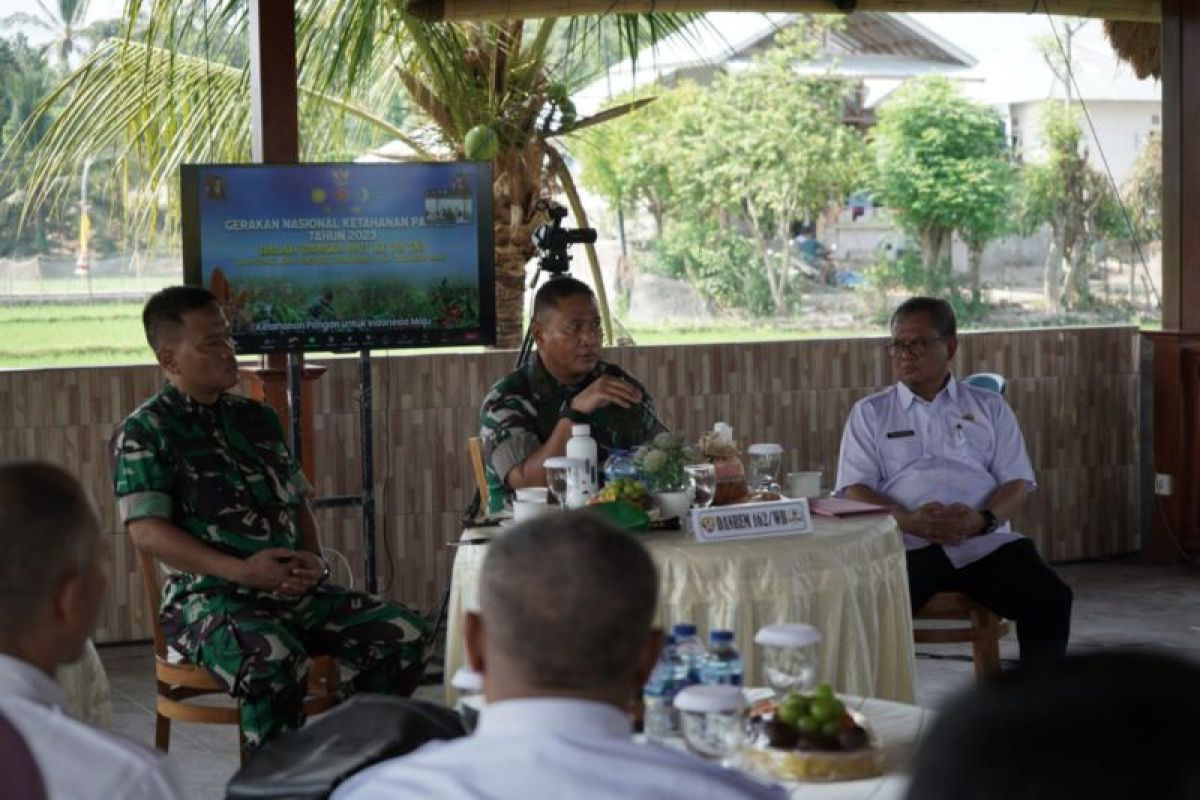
column 1133, row 237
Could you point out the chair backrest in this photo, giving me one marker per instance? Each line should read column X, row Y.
column 153, row 600
column 475, row 449
column 22, row 777
column 992, row 381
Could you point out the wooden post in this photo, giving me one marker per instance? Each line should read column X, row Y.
column 275, row 132
column 1177, row 347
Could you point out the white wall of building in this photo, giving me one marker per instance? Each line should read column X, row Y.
column 1122, row 129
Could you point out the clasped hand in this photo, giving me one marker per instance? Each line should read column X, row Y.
column 606, row 390
column 284, row 571
column 942, row 523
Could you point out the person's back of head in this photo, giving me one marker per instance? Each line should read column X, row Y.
column 1097, row 726
column 567, row 603
column 51, row 579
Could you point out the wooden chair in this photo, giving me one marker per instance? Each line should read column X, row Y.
column 983, row 629
column 475, row 449
column 180, row 682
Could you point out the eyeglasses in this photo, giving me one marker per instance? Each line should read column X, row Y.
column 577, row 328
column 914, row 347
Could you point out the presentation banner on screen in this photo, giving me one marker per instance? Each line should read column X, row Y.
column 343, row 256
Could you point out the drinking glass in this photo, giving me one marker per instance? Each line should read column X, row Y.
column 558, row 478
column 790, row 656
column 712, row 720
column 765, row 460
column 703, row 480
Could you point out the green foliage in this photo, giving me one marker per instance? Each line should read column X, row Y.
column 759, row 150
column 1074, row 199
column 1142, row 192
column 940, row 165
column 661, row 461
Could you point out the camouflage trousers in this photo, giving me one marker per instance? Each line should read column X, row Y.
column 257, row 646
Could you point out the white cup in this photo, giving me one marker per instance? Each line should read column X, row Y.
column 534, row 494
column 804, row 484
column 525, row 510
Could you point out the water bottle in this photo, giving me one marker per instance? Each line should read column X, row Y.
column 581, row 445
column 690, row 654
column 723, row 663
column 658, row 696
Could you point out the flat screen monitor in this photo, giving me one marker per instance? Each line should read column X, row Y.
column 306, row 257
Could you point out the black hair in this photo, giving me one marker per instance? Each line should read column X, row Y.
column 555, row 290
column 166, row 308
column 940, row 313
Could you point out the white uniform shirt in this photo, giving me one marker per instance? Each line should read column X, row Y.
column 77, row 761
column 956, row 449
column 550, row 748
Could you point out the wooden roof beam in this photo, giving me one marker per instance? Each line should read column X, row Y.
column 1128, row 10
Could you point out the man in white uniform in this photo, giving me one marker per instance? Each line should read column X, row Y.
column 564, row 643
column 950, row 461
column 51, row 586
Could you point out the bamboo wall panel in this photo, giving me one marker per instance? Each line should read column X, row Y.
column 1075, row 392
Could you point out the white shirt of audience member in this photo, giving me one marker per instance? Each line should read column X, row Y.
column 956, row 449
column 77, row 761
column 551, row 748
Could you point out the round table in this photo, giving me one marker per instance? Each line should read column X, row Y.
column 848, row 578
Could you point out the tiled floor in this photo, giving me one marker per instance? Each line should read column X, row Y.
column 1117, row 604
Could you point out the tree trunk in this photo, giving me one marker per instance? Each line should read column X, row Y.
column 517, row 187
column 975, row 265
column 1052, row 274
column 933, row 242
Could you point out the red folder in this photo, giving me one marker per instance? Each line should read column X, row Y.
column 841, row 507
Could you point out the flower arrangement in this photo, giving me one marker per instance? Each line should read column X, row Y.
column 661, row 460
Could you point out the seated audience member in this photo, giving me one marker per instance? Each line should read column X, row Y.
column 52, row 583
column 1101, row 726
column 950, row 461
column 206, row 484
column 527, row 416
column 564, row 643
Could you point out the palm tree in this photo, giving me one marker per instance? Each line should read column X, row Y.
column 354, row 56
column 64, row 23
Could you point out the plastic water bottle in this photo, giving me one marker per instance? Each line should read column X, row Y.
column 658, row 696
column 690, row 652
column 723, row 663
column 582, row 445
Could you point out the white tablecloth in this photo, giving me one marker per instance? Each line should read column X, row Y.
column 848, row 578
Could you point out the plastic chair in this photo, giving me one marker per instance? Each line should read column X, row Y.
column 180, row 682
column 992, row 381
column 983, row 629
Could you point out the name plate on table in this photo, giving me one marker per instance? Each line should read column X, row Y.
column 750, row 520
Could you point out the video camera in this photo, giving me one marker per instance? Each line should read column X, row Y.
column 552, row 239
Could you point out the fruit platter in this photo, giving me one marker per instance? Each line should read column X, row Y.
column 811, row 737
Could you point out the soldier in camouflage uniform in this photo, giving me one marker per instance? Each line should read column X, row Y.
column 527, row 416
column 205, row 483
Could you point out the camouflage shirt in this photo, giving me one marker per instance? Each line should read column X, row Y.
column 222, row 473
column 521, row 410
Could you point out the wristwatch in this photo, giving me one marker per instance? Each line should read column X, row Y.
column 578, row 417
column 990, row 523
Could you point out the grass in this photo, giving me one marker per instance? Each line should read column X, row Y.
column 69, row 335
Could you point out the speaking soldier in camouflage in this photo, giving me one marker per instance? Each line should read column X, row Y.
column 527, row 415
column 205, row 482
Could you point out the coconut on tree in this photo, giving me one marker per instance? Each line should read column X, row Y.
column 368, row 72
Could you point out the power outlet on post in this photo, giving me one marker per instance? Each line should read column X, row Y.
column 1162, row 484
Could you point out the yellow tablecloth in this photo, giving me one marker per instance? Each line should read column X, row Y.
column 847, row 578
column 85, row 683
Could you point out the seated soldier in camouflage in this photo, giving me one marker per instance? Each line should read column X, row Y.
column 527, row 416
column 206, row 484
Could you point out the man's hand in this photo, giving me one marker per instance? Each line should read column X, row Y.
column 278, row 569
column 941, row 523
column 606, row 390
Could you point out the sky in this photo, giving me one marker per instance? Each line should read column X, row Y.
column 98, row 9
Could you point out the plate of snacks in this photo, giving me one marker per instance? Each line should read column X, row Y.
column 811, row 737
